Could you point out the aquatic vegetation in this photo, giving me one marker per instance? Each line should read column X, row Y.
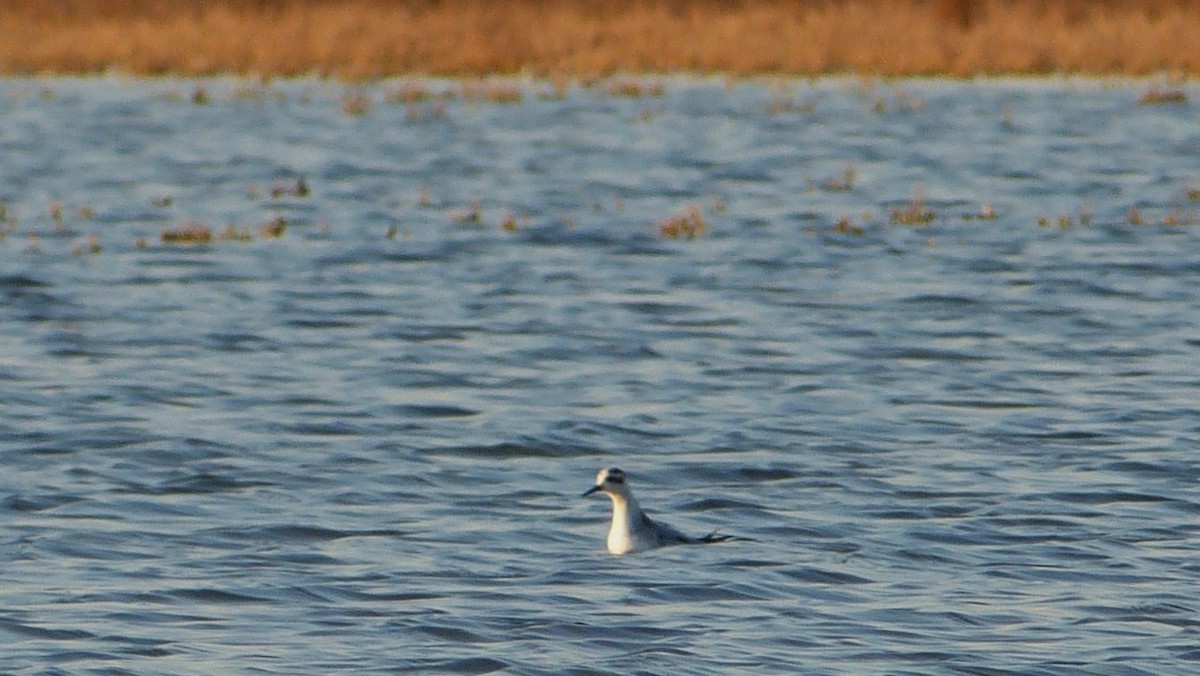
column 633, row 87
column 1178, row 216
column 422, row 107
column 89, row 247
column 274, row 227
column 986, row 212
column 232, row 233
column 558, row 86
column 188, row 232
column 1157, row 95
column 843, row 183
column 409, row 92
column 58, row 222
column 914, row 212
column 356, row 102
column 890, row 96
column 1085, row 214
column 783, row 102
column 504, row 94
column 688, row 224
column 1063, row 221
column 257, row 90
column 492, row 91
column 195, row 232
column 298, row 189
column 846, row 226
column 645, row 115
column 473, row 215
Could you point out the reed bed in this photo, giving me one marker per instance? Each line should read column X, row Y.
column 359, row 39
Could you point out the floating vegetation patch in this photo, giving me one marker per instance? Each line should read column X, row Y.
column 689, row 224
column 188, row 232
column 492, row 91
column 914, row 212
column 986, row 213
column 409, row 92
column 1178, row 216
column 835, row 201
column 633, row 87
column 356, row 102
column 415, row 113
column 233, row 233
column 844, row 182
column 509, row 223
column 297, row 189
column 472, row 215
column 782, row 102
column 274, row 227
column 1158, row 95
column 846, row 226
column 1064, row 221
column 89, row 247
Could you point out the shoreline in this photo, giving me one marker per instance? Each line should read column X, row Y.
column 360, row 40
column 423, row 95
column 652, row 83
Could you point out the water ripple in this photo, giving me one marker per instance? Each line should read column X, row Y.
column 949, row 401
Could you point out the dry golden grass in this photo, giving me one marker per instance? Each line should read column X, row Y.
column 587, row 38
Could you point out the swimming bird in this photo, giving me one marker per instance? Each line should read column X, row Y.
column 632, row 530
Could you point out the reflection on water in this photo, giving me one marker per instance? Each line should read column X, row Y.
column 934, row 347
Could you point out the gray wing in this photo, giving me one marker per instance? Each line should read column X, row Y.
column 669, row 536
column 666, row 534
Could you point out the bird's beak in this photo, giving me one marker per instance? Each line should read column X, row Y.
column 591, row 490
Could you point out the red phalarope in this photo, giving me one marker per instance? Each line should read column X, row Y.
column 632, row 530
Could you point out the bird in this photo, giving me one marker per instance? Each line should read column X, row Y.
column 632, row 530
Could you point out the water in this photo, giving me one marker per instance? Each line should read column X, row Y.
column 963, row 446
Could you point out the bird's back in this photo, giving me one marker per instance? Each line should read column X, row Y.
column 664, row 534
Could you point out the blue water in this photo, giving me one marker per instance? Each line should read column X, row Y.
column 967, row 445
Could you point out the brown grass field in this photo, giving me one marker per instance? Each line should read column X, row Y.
column 361, row 39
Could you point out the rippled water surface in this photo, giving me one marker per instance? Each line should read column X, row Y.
column 936, row 348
